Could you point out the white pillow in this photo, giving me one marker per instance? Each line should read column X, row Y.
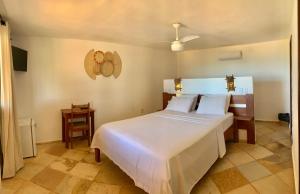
column 180, row 104
column 213, row 104
column 194, row 97
column 227, row 102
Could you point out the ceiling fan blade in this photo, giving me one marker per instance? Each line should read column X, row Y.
column 189, row 38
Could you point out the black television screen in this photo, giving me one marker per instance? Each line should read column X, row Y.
column 19, row 59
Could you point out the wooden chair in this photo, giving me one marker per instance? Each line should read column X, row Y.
column 80, row 121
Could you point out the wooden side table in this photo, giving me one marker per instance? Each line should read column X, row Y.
column 65, row 116
column 244, row 122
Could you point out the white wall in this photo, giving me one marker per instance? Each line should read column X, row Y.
column 267, row 62
column 56, row 78
column 295, row 89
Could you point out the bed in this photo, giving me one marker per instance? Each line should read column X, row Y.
column 165, row 152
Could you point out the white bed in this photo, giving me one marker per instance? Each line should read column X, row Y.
column 166, row 152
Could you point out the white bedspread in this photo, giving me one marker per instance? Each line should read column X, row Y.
column 165, row 152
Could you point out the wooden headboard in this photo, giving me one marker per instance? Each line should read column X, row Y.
column 166, row 98
column 240, row 105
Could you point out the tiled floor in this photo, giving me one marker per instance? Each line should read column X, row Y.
column 264, row 168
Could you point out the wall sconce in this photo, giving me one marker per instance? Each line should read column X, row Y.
column 230, row 83
column 178, row 85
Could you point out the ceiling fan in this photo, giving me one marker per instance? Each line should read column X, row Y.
column 178, row 44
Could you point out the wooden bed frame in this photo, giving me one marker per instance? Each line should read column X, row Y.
column 242, row 113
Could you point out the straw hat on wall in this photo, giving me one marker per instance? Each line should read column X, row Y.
column 107, row 64
column 117, row 64
column 89, row 64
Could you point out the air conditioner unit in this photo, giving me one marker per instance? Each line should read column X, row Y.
column 28, row 139
column 231, row 55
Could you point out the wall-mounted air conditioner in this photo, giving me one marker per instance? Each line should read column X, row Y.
column 231, row 55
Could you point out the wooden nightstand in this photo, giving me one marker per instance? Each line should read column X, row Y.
column 244, row 122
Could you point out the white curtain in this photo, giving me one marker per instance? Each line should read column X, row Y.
column 10, row 136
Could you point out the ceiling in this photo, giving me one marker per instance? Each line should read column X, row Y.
column 148, row 22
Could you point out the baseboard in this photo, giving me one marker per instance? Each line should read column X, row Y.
column 46, row 142
column 267, row 120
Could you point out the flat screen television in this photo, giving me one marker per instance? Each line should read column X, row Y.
column 19, row 59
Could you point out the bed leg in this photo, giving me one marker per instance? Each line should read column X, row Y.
column 97, row 155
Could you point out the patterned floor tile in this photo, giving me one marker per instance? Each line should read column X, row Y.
column 205, row 186
column 246, row 147
column 29, row 187
column 42, row 147
column 229, row 179
column 220, row 165
column 74, row 154
column 254, row 171
column 287, row 164
column 247, row 189
column 43, row 159
column 231, row 174
column 48, row 178
column 287, row 176
column 259, row 152
column 273, row 147
column 284, row 153
column 72, row 184
column 286, row 142
column 110, row 173
column 272, row 124
column 263, row 140
column 81, row 145
column 275, row 163
column 232, row 147
column 131, row 190
column 29, row 170
column 100, row 188
column 63, row 164
column 280, row 134
column 271, row 185
column 278, row 124
column 11, row 185
column 85, row 171
column 263, row 131
column 58, row 149
column 90, row 158
column 239, row 158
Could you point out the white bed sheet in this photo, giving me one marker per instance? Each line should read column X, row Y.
column 165, row 152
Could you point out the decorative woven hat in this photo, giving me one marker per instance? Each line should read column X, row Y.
column 117, row 64
column 108, row 56
column 107, row 68
column 89, row 64
column 99, row 57
column 97, row 69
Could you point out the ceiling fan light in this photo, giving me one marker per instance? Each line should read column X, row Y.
column 177, row 46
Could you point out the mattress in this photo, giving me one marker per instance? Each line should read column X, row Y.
column 166, row 152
